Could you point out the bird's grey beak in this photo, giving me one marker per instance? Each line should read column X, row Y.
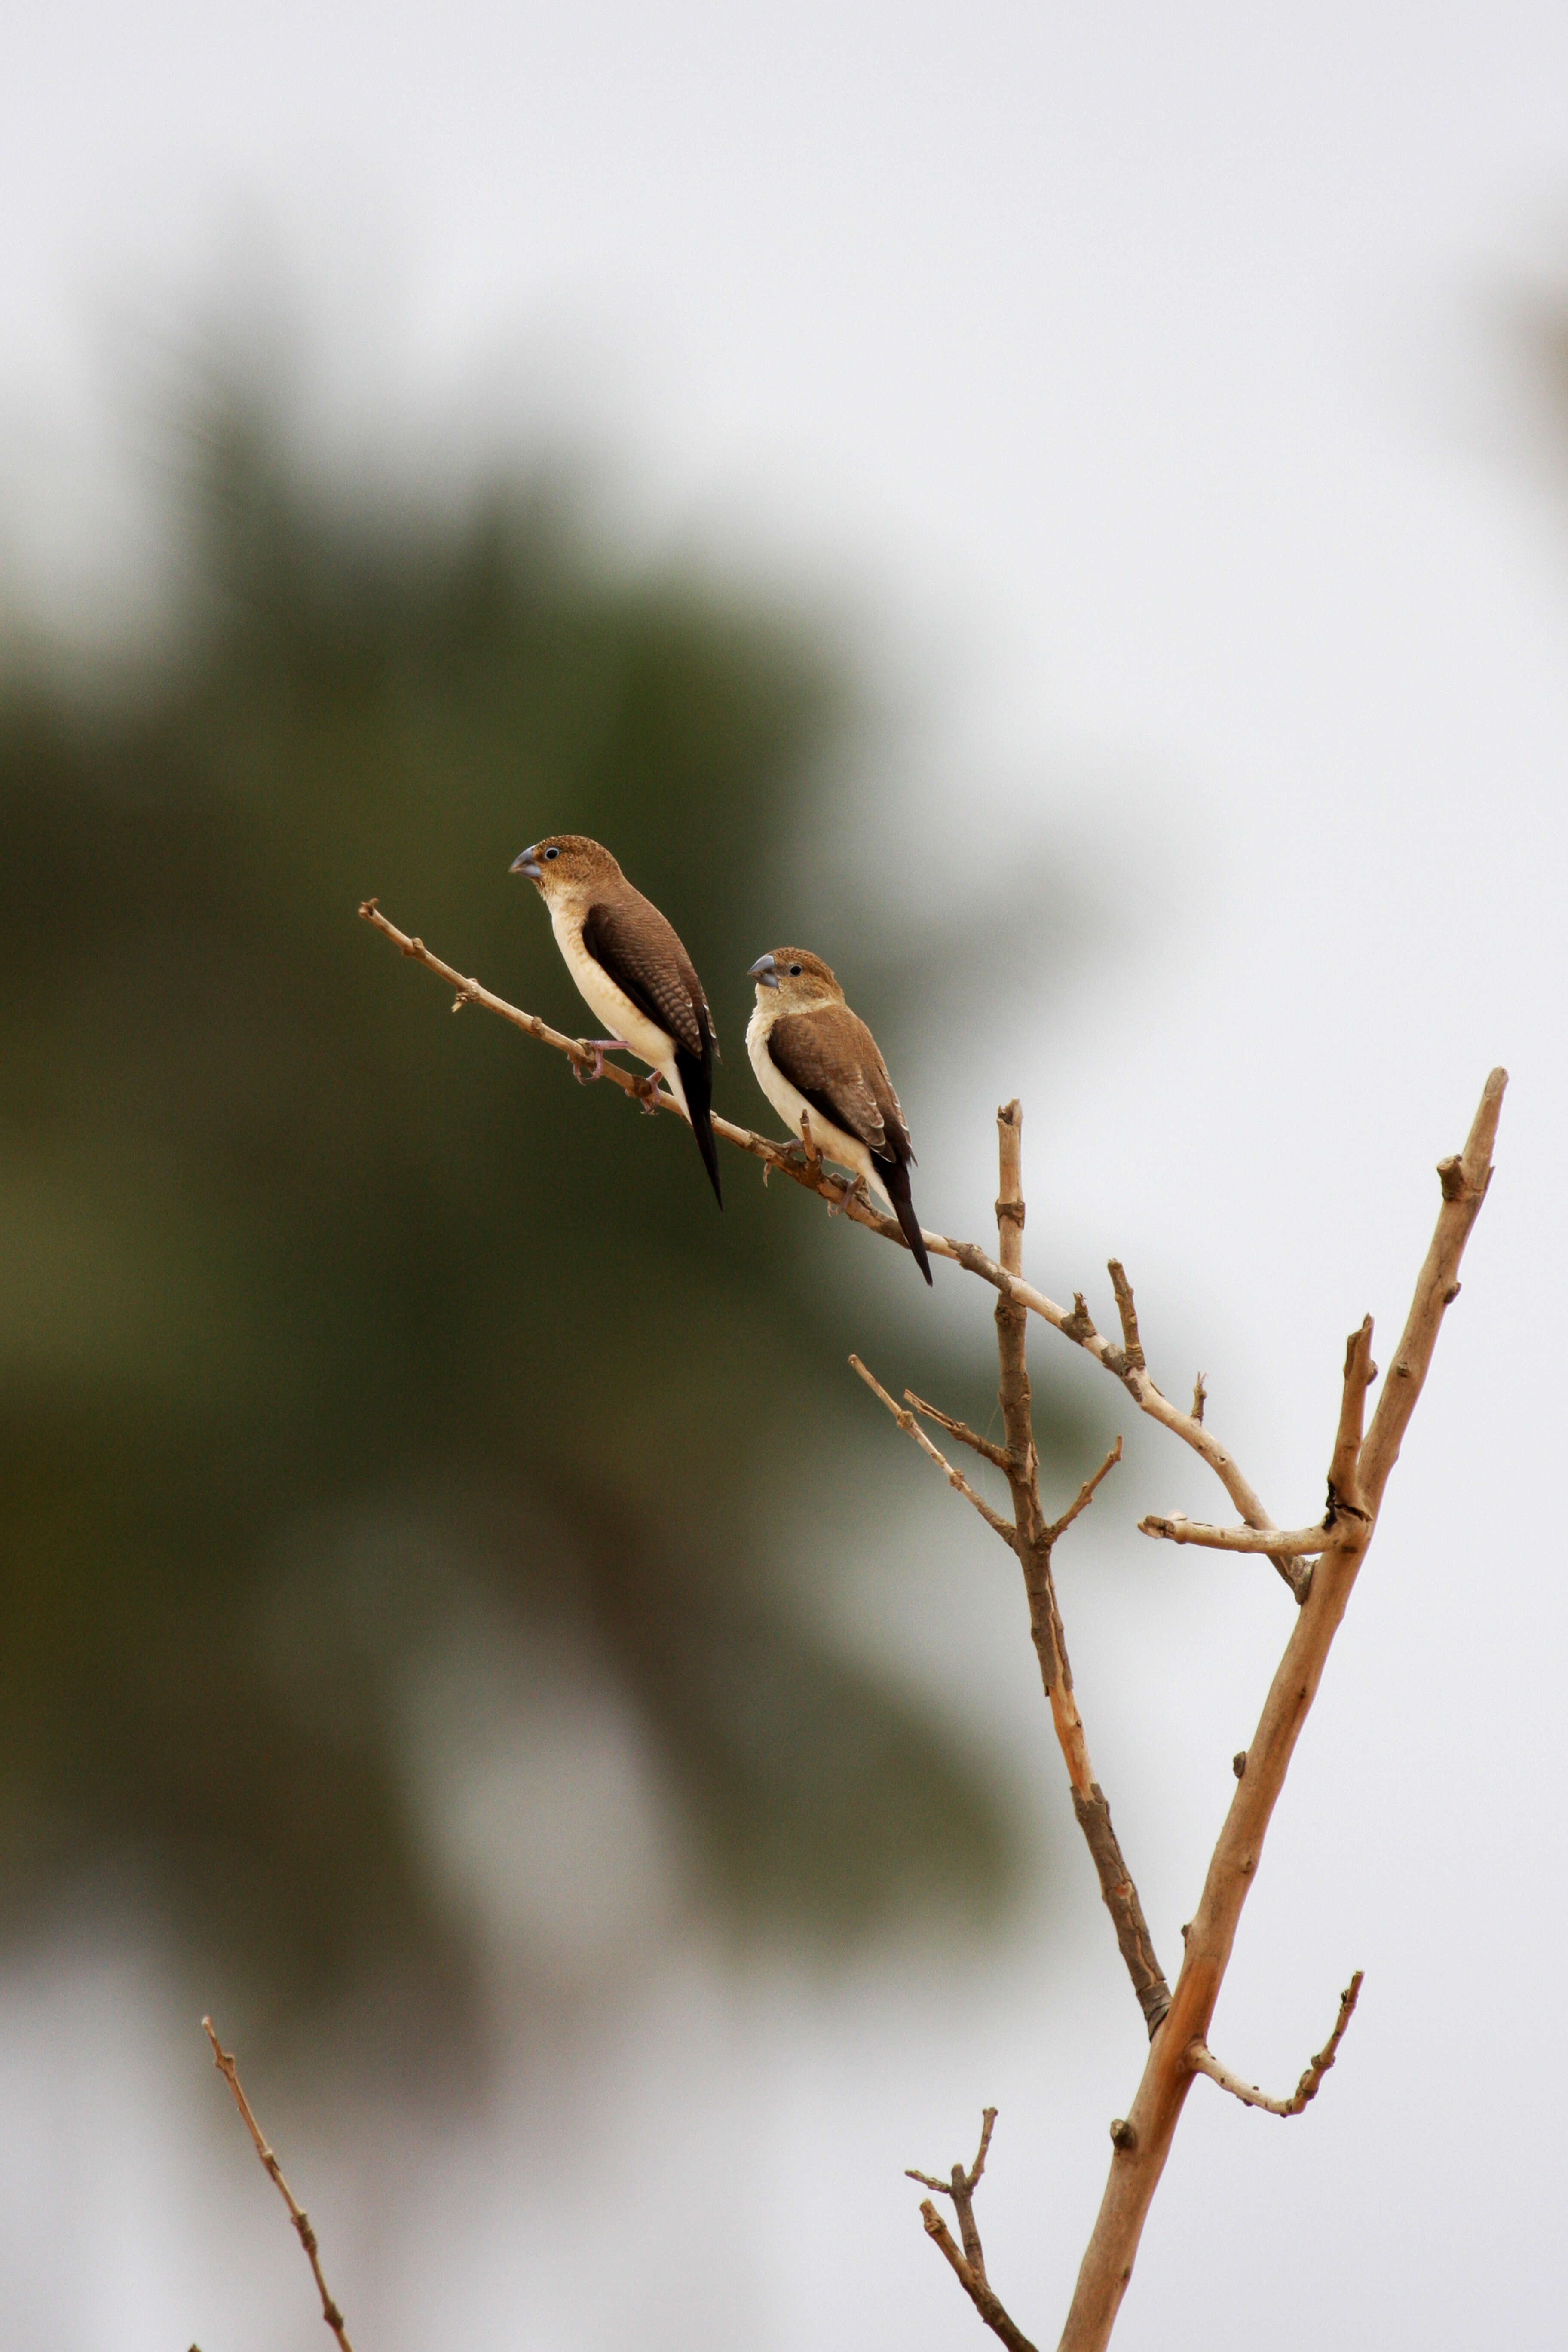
column 528, row 863
column 764, row 974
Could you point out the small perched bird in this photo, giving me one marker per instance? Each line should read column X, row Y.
column 633, row 974
column 817, row 1060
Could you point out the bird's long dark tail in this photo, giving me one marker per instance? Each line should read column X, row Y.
column 895, row 1175
column 698, row 1080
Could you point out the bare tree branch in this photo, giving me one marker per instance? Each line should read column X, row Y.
column 969, row 2267
column 912, row 1428
column 224, row 2061
column 1139, row 2158
column 1202, row 2061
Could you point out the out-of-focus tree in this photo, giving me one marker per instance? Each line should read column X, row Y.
column 334, row 1329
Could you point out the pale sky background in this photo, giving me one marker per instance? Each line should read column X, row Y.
column 1144, row 376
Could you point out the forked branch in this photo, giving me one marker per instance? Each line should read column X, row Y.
column 969, row 2264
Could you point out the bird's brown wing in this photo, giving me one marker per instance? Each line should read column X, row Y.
column 640, row 952
column 831, row 1057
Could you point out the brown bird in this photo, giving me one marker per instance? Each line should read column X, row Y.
column 816, row 1059
column 633, row 974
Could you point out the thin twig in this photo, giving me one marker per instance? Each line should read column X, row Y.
column 1293, row 1542
column 964, row 1434
column 1202, row 2061
column 1085, row 1496
column 911, row 1426
column 1075, row 1324
column 969, row 2267
column 224, row 2061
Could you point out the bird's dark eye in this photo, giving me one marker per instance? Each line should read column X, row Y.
column 552, row 853
column 794, row 971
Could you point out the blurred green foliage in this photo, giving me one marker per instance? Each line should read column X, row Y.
column 331, row 1321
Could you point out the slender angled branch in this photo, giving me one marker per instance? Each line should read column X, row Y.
column 1291, row 1541
column 969, row 2266
column 964, row 1434
column 1085, row 1495
column 224, row 2061
column 912, row 1428
column 1202, row 2061
column 1075, row 1324
column 1139, row 2158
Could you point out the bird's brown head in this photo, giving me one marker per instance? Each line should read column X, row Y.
column 792, row 980
column 566, row 866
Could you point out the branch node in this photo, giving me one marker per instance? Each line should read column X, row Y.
column 1451, row 1176
column 1079, row 1325
column 1200, row 1398
column 1124, row 2135
column 1239, row 1763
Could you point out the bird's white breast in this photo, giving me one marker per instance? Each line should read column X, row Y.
column 790, row 1104
column 612, row 1007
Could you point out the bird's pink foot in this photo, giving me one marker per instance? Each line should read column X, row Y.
column 859, row 1191
column 598, row 1047
column 648, row 1093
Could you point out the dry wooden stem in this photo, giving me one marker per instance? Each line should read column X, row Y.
column 969, row 2267
column 1202, row 2061
column 224, row 2061
column 790, row 1160
column 1290, row 1541
column 1144, row 2141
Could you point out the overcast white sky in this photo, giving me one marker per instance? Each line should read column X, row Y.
column 1151, row 364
